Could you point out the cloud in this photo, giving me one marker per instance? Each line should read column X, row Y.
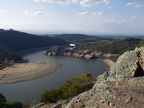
column 89, row 3
column 86, row 3
column 133, row 17
column 54, row 1
column 34, row 13
column 100, row 13
column 83, row 13
column 135, row 4
column 3, row 11
column 113, row 21
column 109, row 7
column 110, row 21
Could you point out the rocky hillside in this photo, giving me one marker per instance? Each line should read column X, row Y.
column 110, row 49
column 121, row 87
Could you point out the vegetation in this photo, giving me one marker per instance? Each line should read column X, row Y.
column 51, row 95
column 141, row 44
column 30, row 104
column 70, row 88
column 116, row 46
column 7, row 56
column 5, row 104
column 80, row 38
column 19, row 41
column 7, row 53
column 13, row 41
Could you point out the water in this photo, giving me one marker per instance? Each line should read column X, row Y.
column 71, row 67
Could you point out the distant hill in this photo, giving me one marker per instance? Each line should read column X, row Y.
column 79, row 38
column 115, row 46
column 19, row 41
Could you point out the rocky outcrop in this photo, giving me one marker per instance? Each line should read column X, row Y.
column 57, row 50
column 121, row 87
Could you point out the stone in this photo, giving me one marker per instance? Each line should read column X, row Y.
column 128, row 100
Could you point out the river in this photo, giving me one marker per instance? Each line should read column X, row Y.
column 71, row 67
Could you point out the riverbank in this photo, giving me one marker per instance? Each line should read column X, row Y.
column 20, row 72
column 109, row 62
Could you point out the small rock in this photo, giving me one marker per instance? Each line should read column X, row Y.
column 128, row 100
column 111, row 104
column 102, row 100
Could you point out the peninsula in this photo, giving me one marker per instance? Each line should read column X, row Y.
column 20, row 72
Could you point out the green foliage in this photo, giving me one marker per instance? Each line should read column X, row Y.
column 141, row 44
column 5, row 104
column 116, row 46
column 51, row 95
column 2, row 100
column 29, row 104
column 7, row 53
column 13, row 105
column 19, row 41
column 79, row 38
column 72, row 87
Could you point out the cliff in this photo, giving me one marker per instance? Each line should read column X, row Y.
column 121, row 87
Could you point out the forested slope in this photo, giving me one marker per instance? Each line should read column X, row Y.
column 19, row 41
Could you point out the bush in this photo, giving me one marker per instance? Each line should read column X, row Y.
column 72, row 87
column 141, row 44
column 5, row 104
column 51, row 95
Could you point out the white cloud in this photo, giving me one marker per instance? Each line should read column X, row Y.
column 89, row 3
column 34, row 13
column 133, row 17
column 86, row 3
column 83, row 13
column 130, row 3
column 110, row 21
column 3, row 11
column 113, row 21
column 54, row 1
column 135, row 4
column 100, row 13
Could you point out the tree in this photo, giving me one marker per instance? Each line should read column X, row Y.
column 51, row 95
column 2, row 100
column 5, row 104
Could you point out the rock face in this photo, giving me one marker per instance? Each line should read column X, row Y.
column 121, row 87
column 57, row 50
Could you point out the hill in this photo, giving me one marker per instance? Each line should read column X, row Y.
column 79, row 38
column 19, row 41
column 7, row 53
column 111, row 49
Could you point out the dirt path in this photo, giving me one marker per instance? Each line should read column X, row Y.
column 28, row 71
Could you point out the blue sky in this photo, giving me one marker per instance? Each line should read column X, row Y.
column 93, row 16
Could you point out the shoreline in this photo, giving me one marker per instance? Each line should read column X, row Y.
column 21, row 72
column 109, row 63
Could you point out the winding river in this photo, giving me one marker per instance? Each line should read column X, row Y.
column 71, row 66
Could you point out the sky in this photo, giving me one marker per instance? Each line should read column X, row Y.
column 92, row 16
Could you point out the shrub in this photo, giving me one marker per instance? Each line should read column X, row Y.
column 72, row 87
column 5, row 104
column 51, row 95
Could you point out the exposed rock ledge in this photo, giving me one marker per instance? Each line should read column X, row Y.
column 121, row 87
column 57, row 50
